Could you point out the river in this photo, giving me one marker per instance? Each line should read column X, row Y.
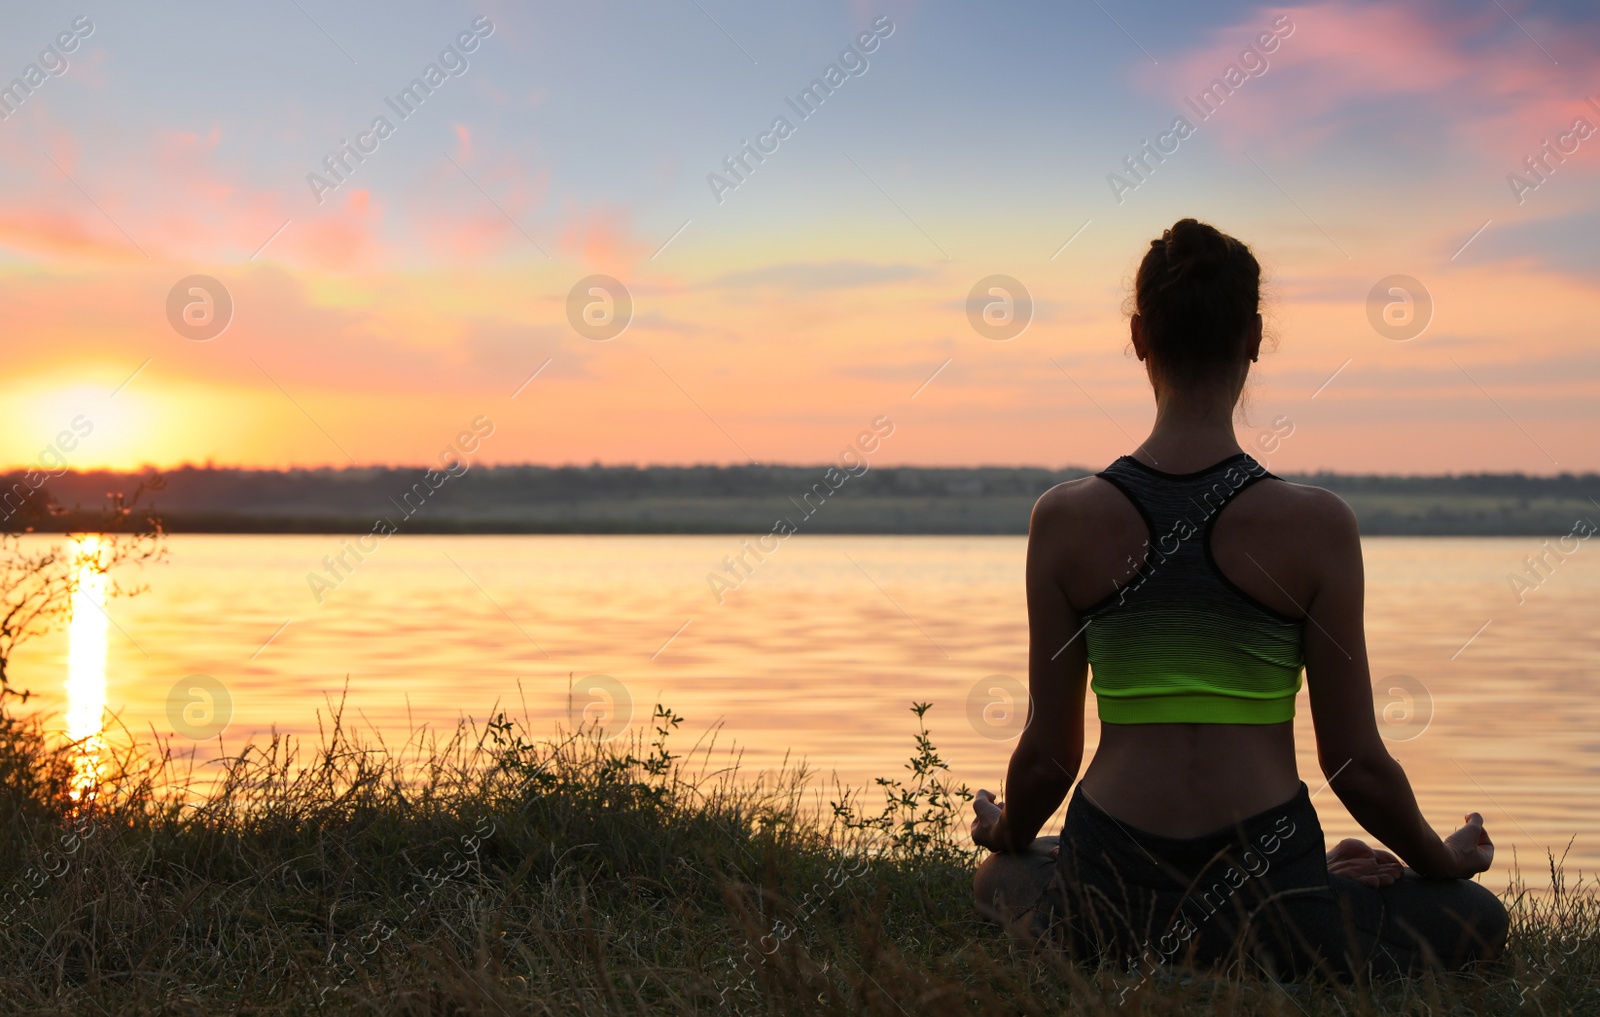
column 815, row 655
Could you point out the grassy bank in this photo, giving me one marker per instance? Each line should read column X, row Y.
column 490, row 872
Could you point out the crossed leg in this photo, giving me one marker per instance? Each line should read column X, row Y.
column 1017, row 890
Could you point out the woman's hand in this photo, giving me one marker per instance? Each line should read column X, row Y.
column 1469, row 849
column 1357, row 860
column 986, row 827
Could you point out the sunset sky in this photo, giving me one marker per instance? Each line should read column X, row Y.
column 377, row 314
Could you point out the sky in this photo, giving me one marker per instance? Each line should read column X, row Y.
column 1418, row 182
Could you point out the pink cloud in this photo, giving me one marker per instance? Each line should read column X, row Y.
column 468, row 226
column 471, row 227
column 341, row 240
column 1473, row 79
column 178, row 203
column 602, row 238
column 53, row 234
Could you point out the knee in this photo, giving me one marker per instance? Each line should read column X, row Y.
column 1001, row 886
column 986, row 882
column 1484, row 924
column 1002, row 870
column 1490, row 920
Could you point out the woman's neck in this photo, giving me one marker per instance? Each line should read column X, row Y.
column 1189, row 434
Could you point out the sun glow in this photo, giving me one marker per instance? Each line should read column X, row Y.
column 86, row 662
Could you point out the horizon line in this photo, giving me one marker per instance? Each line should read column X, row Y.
column 146, row 469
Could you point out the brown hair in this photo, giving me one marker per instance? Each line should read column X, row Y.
column 1197, row 293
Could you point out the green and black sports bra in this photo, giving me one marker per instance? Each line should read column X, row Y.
column 1179, row 642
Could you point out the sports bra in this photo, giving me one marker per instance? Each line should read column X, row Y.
column 1179, row 643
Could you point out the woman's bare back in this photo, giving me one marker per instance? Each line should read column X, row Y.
column 1184, row 780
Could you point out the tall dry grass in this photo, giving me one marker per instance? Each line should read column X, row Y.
column 486, row 871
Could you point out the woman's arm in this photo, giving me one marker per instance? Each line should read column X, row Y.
column 1046, row 759
column 1370, row 783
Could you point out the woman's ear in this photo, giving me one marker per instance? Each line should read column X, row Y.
column 1136, row 332
column 1255, row 340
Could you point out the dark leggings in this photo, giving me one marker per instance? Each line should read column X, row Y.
column 1257, row 896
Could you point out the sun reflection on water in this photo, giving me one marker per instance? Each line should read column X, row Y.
column 86, row 662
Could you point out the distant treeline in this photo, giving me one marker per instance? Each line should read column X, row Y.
column 731, row 499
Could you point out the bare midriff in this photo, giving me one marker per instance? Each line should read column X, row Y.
column 1187, row 780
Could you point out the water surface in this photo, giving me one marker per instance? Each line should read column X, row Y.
column 816, row 655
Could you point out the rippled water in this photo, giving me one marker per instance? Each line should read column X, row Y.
column 819, row 653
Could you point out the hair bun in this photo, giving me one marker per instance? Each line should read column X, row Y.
column 1194, row 249
column 1197, row 294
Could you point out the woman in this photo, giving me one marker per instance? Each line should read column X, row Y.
column 1196, row 585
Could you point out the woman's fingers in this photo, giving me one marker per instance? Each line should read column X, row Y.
column 1471, row 844
column 1483, row 835
column 1349, row 848
column 1373, row 868
column 987, row 817
column 1365, row 878
column 1485, row 845
column 1474, row 830
column 1475, row 826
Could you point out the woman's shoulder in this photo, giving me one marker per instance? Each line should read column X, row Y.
column 1302, row 513
column 1075, row 500
column 1316, row 505
column 1077, row 513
